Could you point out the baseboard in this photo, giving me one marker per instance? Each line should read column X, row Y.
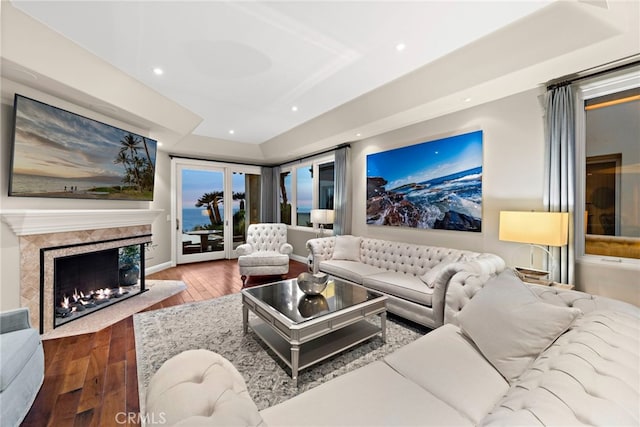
column 158, row 267
column 298, row 258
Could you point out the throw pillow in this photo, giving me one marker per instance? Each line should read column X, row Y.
column 511, row 326
column 430, row 276
column 347, row 248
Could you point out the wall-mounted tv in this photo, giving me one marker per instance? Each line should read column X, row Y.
column 57, row 153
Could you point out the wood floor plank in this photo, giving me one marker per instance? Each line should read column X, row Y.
column 93, row 386
column 75, row 374
column 91, row 379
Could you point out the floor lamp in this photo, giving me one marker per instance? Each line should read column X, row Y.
column 322, row 217
column 537, row 229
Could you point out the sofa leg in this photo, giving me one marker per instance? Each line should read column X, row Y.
column 244, row 280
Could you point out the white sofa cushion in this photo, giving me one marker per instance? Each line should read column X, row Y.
column 374, row 395
column 405, row 286
column 347, row 248
column 510, row 325
column 354, row 271
column 448, row 364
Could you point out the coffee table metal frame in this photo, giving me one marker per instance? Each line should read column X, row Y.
column 300, row 345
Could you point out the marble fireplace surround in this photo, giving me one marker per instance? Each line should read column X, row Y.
column 42, row 229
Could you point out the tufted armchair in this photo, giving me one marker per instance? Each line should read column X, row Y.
column 266, row 251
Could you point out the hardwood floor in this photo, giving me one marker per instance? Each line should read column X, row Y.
column 91, row 379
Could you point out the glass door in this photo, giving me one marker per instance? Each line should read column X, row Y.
column 214, row 203
column 200, row 219
column 245, row 205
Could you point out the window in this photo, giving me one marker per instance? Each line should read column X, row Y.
column 306, row 186
column 609, row 191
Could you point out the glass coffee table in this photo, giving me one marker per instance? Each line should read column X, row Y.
column 303, row 330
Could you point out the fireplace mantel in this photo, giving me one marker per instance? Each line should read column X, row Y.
column 26, row 222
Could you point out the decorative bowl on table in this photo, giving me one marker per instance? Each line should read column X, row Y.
column 312, row 284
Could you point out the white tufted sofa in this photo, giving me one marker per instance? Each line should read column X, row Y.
column 266, row 251
column 399, row 269
column 589, row 375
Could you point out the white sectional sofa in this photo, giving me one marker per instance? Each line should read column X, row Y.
column 414, row 277
column 511, row 354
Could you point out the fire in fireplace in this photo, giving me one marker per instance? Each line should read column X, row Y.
column 86, row 282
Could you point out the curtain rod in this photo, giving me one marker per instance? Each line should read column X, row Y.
column 620, row 64
column 171, row 156
column 319, row 153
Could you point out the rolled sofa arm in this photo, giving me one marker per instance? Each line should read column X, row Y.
column 244, row 249
column 460, row 280
column 320, row 249
column 14, row 320
column 200, row 387
column 286, row 248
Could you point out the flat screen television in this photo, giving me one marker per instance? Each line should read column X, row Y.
column 57, row 153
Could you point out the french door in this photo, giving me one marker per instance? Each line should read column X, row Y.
column 214, row 203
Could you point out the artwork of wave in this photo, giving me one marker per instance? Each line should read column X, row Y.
column 452, row 201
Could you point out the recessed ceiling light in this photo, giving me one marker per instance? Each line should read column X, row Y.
column 294, row 108
column 400, row 47
column 467, row 100
column 231, row 131
column 358, row 134
column 159, row 144
column 158, row 71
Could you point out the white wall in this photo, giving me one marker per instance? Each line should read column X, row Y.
column 9, row 242
column 513, row 145
column 513, row 180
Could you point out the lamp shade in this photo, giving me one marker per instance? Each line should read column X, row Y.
column 322, row 216
column 538, row 228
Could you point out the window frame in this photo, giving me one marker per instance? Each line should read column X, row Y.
column 292, row 168
column 594, row 88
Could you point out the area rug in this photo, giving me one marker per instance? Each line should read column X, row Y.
column 216, row 325
column 158, row 290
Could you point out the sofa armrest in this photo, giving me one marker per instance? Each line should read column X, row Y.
column 14, row 320
column 286, row 248
column 320, row 249
column 244, row 249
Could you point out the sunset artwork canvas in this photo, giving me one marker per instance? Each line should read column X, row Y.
column 57, row 153
column 431, row 185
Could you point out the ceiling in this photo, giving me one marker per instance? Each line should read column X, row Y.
column 255, row 70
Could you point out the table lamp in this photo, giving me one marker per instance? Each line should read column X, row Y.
column 537, row 229
column 322, row 217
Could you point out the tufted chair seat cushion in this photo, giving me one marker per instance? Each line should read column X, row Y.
column 199, row 387
column 266, row 258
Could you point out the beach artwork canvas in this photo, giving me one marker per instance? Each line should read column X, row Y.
column 431, row 185
column 57, row 153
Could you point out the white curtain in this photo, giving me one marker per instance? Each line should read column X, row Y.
column 342, row 195
column 560, row 172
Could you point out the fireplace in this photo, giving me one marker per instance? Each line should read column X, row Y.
column 86, row 282
column 47, row 234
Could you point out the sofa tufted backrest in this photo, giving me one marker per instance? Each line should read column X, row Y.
column 266, row 236
column 403, row 257
column 589, row 376
column 464, row 285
